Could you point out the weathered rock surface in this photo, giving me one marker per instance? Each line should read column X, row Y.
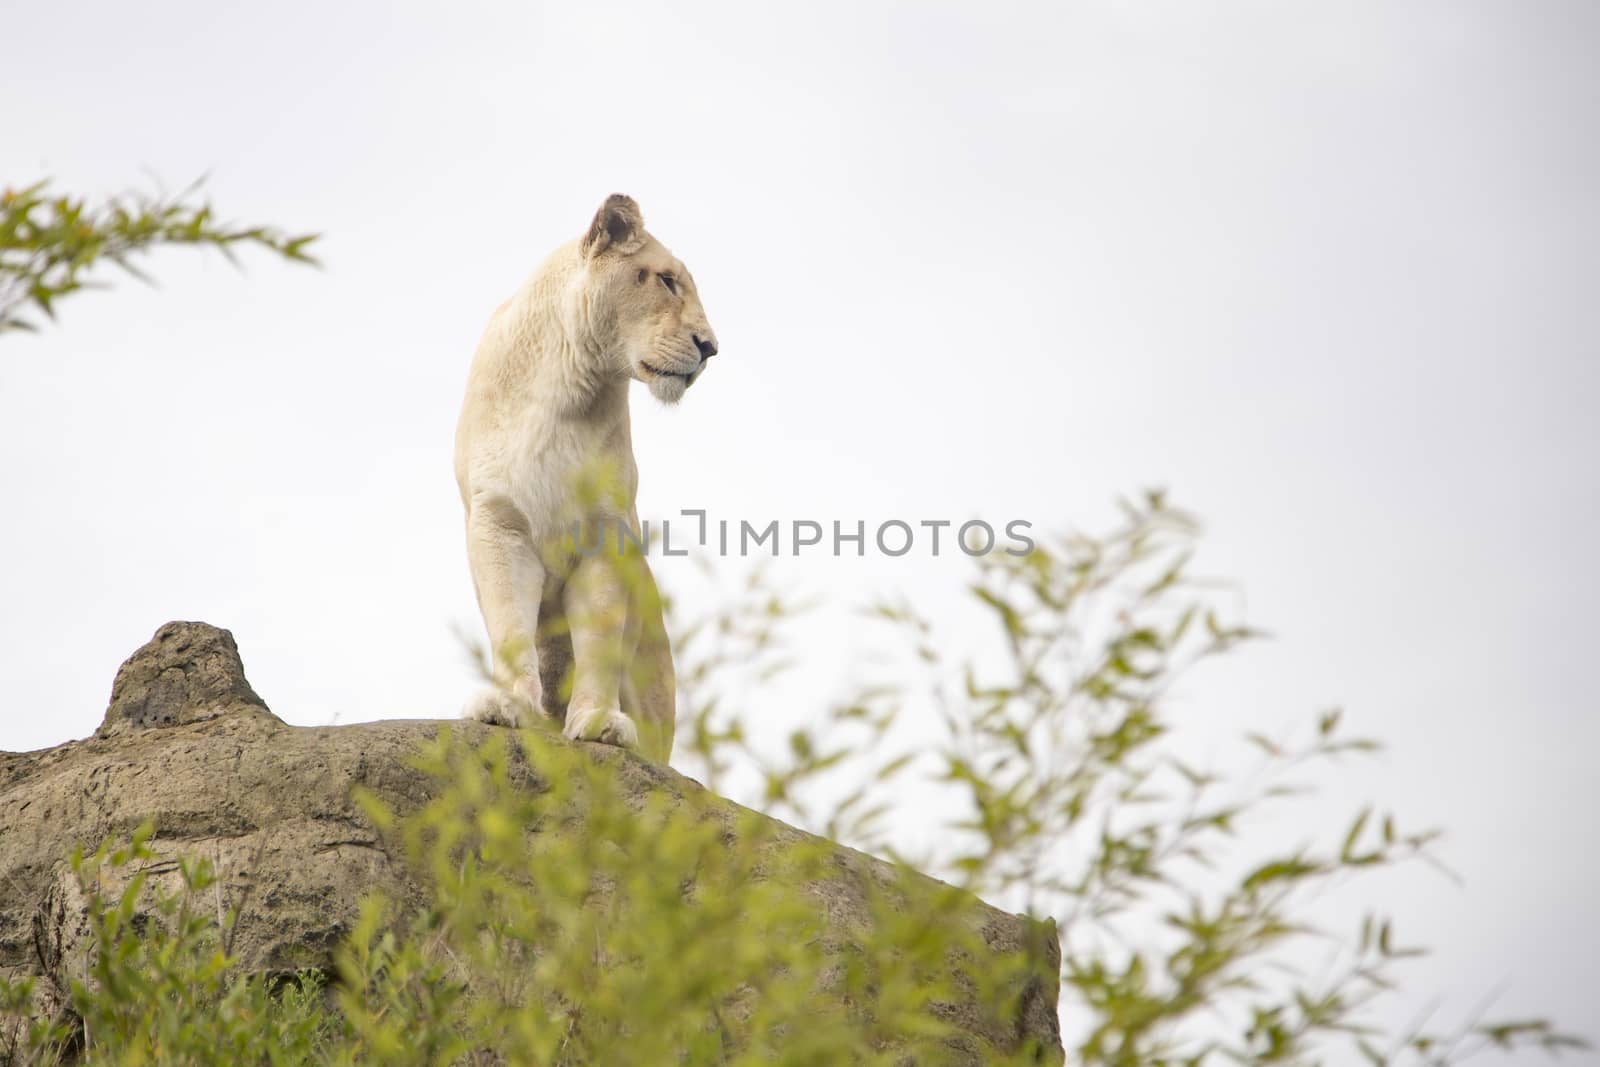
column 186, row 742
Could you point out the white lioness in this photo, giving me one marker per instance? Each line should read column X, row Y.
column 547, row 407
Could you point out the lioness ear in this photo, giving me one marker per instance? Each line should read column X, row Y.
column 618, row 224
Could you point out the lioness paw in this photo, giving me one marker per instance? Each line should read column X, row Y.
column 499, row 708
column 609, row 726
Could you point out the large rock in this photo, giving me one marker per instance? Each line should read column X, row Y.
column 186, row 742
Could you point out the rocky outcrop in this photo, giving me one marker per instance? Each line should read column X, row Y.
column 187, row 743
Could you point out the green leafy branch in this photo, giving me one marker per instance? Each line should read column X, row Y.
column 1068, row 793
column 50, row 243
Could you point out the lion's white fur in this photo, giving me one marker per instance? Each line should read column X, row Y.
column 546, row 408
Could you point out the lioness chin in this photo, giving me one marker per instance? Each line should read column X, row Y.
column 544, row 461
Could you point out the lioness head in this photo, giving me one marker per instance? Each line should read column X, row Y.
column 646, row 310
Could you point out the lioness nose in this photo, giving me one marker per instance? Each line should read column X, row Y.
column 707, row 348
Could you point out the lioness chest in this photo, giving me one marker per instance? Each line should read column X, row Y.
column 559, row 474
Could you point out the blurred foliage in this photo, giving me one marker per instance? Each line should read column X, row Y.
column 1054, row 784
column 612, row 928
column 1058, row 785
column 50, row 242
column 158, row 986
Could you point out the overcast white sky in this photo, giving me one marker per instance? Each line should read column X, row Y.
column 1325, row 270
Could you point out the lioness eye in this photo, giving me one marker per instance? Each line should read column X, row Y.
column 671, row 283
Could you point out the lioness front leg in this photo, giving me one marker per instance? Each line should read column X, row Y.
column 596, row 599
column 649, row 684
column 509, row 580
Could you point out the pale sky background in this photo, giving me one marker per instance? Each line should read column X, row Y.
column 1327, row 271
